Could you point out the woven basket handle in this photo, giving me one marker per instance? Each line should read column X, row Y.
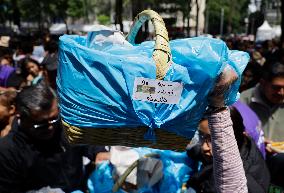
column 162, row 53
column 123, row 177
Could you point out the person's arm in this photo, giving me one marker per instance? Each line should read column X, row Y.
column 228, row 168
column 96, row 153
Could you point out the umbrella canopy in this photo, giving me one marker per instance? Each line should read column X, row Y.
column 264, row 32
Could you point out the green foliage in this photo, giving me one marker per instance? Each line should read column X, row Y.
column 104, row 7
column 104, row 19
column 75, row 8
column 42, row 9
column 4, row 10
column 234, row 13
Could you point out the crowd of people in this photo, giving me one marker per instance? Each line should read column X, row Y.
column 234, row 144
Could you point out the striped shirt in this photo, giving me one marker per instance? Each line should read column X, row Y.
column 228, row 168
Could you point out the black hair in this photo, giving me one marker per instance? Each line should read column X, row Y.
column 29, row 59
column 38, row 42
column 238, row 126
column 37, row 97
column 26, row 47
column 7, row 57
column 7, row 98
column 51, row 46
column 23, row 64
column 273, row 70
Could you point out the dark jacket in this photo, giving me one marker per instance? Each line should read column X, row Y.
column 256, row 171
column 28, row 164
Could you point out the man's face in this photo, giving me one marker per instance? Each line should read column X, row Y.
column 4, row 116
column 274, row 90
column 43, row 124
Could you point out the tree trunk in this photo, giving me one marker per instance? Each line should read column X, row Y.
column 188, row 17
column 197, row 17
column 86, row 12
column 282, row 23
column 40, row 17
column 137, row 7
column 66, row 25
column 231, row 8
column 118, row 14
column 16, row 13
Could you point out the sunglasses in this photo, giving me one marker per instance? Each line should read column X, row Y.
column 46, row 123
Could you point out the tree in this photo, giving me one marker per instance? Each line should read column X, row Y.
column 185, row 7
column 16, row 13
column 197, row 17
column 118, row 13
column 137, row 7
column 256, row 19
column 75, row 8
column 233, row 21
column 47, row 11
column 188, row 16
column 32, row 11
column 4, row 11
column 282, row 23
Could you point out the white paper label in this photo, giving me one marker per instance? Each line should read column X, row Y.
column 157, row 91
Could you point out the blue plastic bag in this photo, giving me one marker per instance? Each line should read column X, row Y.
column 96, row 87
column 177, row 168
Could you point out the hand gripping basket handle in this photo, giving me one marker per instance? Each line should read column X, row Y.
column 162, row 53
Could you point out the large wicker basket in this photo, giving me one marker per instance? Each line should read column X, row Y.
column 130, row 136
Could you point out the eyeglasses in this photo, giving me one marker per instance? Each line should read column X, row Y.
column 204, row 138
column 277, row 87
column 46, row 123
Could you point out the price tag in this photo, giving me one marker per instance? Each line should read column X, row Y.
column 157, row 91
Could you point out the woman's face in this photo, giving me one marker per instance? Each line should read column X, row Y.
column 4, row 61
column 205, row 139
column 32, row 68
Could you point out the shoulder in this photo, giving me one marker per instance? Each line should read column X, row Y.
column 253, row 157
column 13, row 166
column 247, row 95
column 9, row 156
column 6, row 144
column 12, row 149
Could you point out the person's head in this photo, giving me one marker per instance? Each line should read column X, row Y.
column 51, row 47
column 205, row 137
column 272, row 44
column 31, row 66
column 272, row 83
column 251, row 76
column 37, row 111
column 6, row 60
column 7, row 107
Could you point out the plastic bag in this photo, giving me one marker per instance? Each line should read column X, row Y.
column 47, row 189
column 97, row 88
column 176, row 170
column 101, row 181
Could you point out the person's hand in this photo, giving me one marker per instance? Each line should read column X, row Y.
column 268, row 148
column 102, row 156
column 30, row 78
column 225, row 80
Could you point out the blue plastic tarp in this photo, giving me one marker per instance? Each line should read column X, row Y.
column 96, row 86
